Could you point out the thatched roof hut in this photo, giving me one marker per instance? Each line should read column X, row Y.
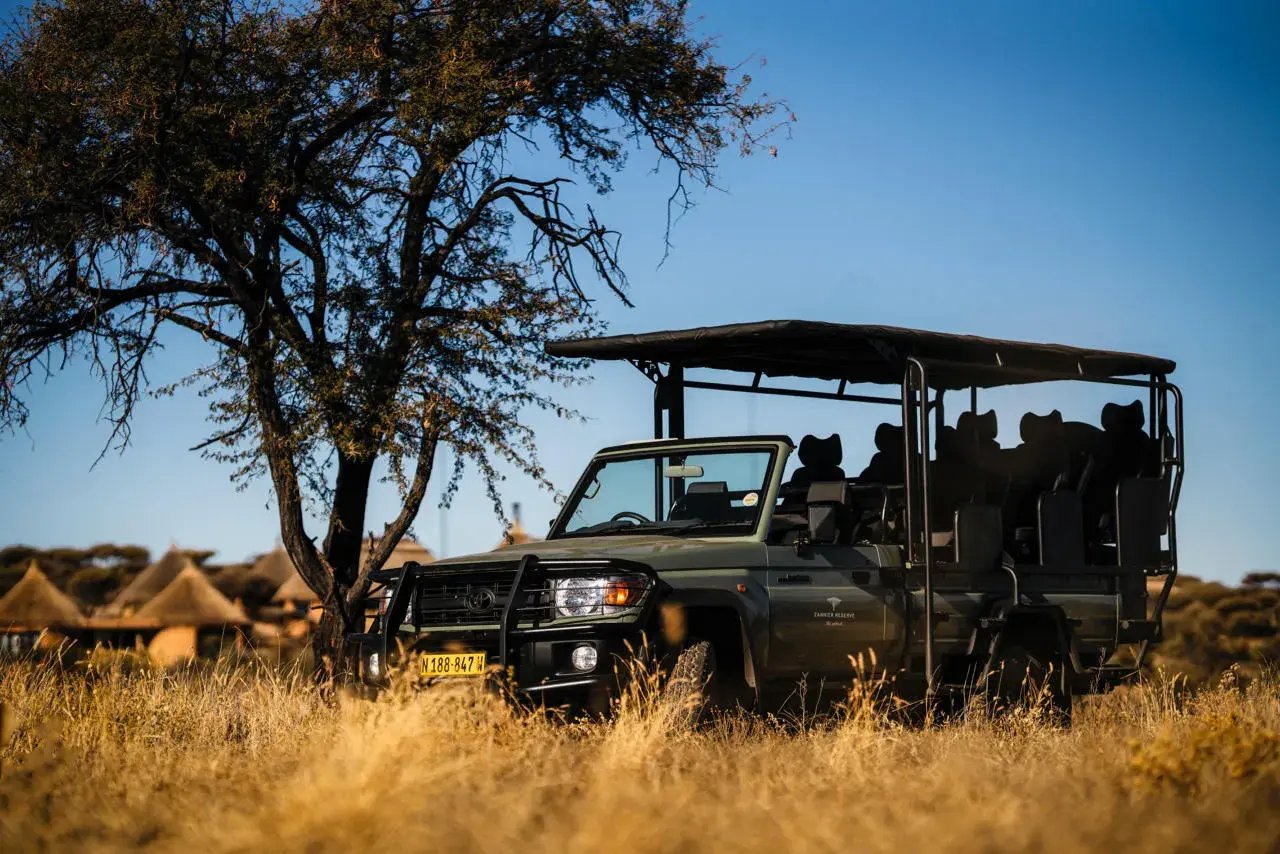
column 192, row 600
column 148, row 583
column 516, row 535
column 406, row 551
column 275, row 566
column 34, row 603
column 295, row 589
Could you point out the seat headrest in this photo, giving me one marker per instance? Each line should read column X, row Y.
column 707, row 487
column 1037, row 429
column 1118, row 418
column 890, row 438
column 821, row 453
column 983, row 426
column 949, row 443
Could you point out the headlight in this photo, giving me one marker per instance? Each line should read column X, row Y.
column 587, row 596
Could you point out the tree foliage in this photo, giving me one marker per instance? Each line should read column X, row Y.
column 1210, row 627
column 90, row 574
column 364, row 207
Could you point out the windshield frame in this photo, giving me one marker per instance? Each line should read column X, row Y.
column 778, row 448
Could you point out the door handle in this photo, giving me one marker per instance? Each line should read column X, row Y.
column 794, row 579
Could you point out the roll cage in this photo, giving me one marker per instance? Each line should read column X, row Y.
column 921, row 366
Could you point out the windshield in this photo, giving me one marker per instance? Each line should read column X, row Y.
column 707, row 492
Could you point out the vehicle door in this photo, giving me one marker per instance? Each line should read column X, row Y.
column 828, row 603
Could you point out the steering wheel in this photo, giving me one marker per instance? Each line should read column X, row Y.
column 632, row 515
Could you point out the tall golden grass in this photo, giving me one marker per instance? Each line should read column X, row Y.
column 233, row 758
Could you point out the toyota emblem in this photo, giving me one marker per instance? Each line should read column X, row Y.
column 481, row 600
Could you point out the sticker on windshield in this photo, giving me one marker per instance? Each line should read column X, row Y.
column 750, row 499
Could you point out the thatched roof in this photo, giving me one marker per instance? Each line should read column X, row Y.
column 406, row 551
column 295, row 589
column 517, row 535
column 275, row 566
column 34, row 603
column 192, row 600
column 148, row 583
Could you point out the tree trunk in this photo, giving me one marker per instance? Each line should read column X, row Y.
column 333, row 662
column 342, row 549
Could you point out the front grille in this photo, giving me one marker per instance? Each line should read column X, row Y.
column 473, row 598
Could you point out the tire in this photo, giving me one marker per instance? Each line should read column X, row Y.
column 689, row 686
column 1024, row 676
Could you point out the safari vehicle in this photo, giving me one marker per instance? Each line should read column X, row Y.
column 957, row 563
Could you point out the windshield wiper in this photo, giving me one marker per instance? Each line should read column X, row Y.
column 700, row 525
column 623, row 527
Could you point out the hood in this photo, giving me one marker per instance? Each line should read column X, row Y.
column 658, row 551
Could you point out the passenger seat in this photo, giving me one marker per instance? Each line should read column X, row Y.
column 886, row 464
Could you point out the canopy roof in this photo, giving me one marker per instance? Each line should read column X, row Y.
column 192, row 600
column 34, row 603
column 861, row 354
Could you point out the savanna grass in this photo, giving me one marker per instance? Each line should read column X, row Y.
column 232, row 758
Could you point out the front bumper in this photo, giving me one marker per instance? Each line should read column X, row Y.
column 532, row 659
column 541, row 661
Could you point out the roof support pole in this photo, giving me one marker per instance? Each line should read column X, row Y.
column 675, row 401
column 1153, row 420
column 914, row 364
column 939, row 413
column 657, row 434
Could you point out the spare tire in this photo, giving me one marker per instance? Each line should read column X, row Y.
column 1026, row 676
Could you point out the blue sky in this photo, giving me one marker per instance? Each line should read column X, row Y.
column 1101, row 174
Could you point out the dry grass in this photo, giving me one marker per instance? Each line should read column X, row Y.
column 226, row 758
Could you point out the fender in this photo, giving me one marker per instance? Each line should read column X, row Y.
column 751, row 608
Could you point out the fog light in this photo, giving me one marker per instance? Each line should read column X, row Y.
column 375, row 665
column 585, row 657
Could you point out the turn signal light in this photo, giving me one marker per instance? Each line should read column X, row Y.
column 622, row 593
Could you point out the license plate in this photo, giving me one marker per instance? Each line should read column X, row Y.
column 455, row 664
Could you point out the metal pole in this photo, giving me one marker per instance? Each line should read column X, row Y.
column 658, row 391
column 675, row 405
column 928, row 527
column 1152, row 428
column 908, row 441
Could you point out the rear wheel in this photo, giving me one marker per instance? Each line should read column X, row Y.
column 1031, row 676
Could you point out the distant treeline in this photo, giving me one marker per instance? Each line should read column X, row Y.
column 1211, row 626
column 95, row 574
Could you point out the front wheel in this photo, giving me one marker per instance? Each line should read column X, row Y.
column 687, row 689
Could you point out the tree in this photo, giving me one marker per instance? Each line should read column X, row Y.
column 346, row 201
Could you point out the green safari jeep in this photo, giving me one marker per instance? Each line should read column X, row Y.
column 953, row 563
